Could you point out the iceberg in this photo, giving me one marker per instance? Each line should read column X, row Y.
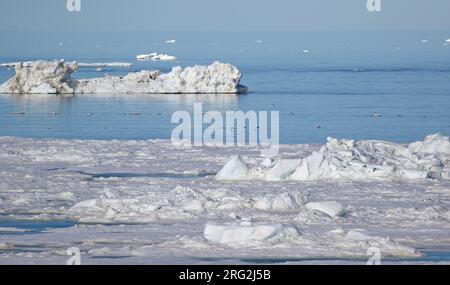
column 53, row 77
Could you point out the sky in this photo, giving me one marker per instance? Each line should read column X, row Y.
column 219, row 15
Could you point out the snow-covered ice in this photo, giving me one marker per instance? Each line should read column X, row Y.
column 236, row 168
column 347, row 159
column 180, row 212
column 248, row 234
column 331, row 208
column 105, row 64
column 54, row 78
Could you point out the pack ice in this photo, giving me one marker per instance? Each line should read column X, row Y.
column 347, row 159
column 157, row 219
column 53, row 77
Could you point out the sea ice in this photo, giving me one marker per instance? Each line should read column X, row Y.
column 350, row 160
column 331, row 208
column 41, row 77
column 156, row 57
column 4, row 246
column 148, row 219
column 280, row 202
column 54, row 78
column 105, row 64
column 235, row 169
column 248, row 233
column 14, row 64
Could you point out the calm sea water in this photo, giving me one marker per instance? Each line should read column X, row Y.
column 344, row 79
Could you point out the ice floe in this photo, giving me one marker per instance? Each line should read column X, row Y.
column 53, row 77
column 264, row 235
column 347, row 159
column 79, row 64
column 248, row 233
column 105, row 64
column 331, row 208
column 280, row 202
column 151, row 219
column 41, row 77
column 234, row 169
column 156, row 57
column 181, row 203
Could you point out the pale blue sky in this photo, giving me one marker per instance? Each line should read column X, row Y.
column 250, row 15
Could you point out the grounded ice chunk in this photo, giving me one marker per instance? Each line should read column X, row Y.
column 54, row 77
column 235, row 169
column 247, row 232
column 331, row 208
column 375, row 160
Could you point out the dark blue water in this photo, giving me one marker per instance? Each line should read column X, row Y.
column 33, row 227
column 334, row 90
